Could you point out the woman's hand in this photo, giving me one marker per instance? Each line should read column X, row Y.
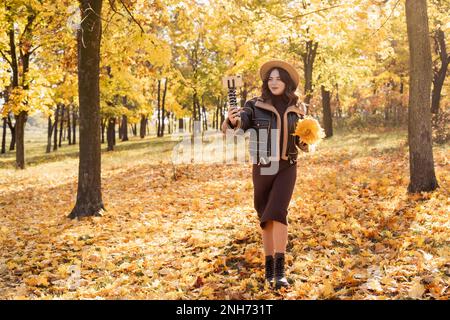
column 233, row 115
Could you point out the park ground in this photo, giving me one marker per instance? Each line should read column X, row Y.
column 189, row 231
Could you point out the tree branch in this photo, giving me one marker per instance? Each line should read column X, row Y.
column 9, row 122
column 109, row 20
column 28, row 27
column 5, row 57
column 284, row 18
column 387, row 19
column 113, row 8
column 100, row 17
column 132, row 17
column 34, row 49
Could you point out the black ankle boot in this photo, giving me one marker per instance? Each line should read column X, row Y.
column 269, row 269
column 280, row 278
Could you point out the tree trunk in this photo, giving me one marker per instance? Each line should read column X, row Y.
column 194, row 115
column 163, row 113
column 55, row 127
column 439, row 74
column 180, row 125
column 74, row 126
column 216, row 116
column 308, row 58
column 49, row 135
column 205, row 121
column 158, row 117
column 134, row 129
column 419, row 117
column 22, row 117
column 18, row 130
column 124, row 128
column 400, row 112
column 222, row 112
column 198, row 128
column 142, row 127
column 198, row 116
column 15, row 76
column 64, row 133
column 169, row 121
column 12, row 46
column 21, row 120
column 203, row 118
column 13, row 133
column 102, row 128
column 327, row 119
column 114, row 131
column 69, row 127
column 110, row 134
column 4, row 137
column 61, row 124
column 89, row 195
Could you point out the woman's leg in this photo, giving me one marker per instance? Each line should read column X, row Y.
column 280, row 236
column 267, row 238
column 276, row 209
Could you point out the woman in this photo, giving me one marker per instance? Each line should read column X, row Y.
column 275, row 112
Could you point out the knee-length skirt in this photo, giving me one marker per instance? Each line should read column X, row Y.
column 273, row 192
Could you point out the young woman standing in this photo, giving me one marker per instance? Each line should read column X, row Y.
column 278, row 110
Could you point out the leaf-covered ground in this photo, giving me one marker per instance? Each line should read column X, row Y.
column 192, row 233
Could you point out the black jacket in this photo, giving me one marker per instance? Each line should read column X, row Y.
column 261, row 118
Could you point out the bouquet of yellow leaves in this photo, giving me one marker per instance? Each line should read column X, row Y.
column 309, row 131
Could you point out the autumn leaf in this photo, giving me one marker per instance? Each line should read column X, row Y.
column 35, row 281
column 327, row 289
column 417, row 290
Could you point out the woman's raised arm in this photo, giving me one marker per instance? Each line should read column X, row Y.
column 245, row 120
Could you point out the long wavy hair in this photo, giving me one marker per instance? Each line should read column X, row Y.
column 289, row 91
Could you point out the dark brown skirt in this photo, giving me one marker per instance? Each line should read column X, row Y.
column 272, row 193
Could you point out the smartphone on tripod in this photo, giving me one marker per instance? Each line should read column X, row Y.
column 232, row 83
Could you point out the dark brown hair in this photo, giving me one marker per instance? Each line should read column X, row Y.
column 289, row 91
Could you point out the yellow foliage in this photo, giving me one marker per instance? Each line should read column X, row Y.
column 309, row 130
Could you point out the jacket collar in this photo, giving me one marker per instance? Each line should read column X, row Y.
column 268, row 106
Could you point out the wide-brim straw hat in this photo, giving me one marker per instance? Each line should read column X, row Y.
column 266, row 66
